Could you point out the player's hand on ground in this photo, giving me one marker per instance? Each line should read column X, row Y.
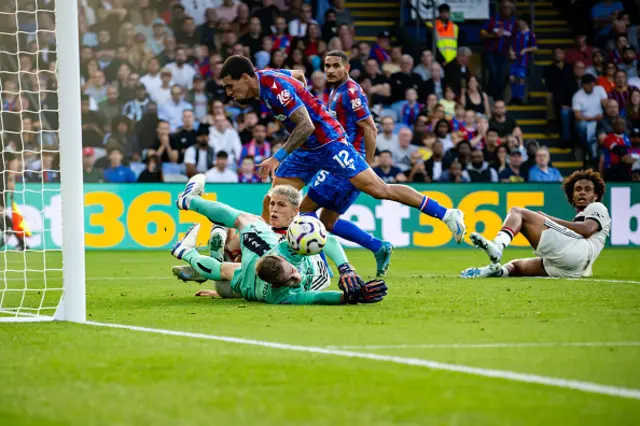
column 207, row 293
column 373, row 291
column 268, row 168
column 350, row 283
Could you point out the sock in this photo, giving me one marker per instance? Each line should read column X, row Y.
column 206, row 266
column 504, row 272
column 432, row 208
column 351, row 232
column 216, row 212
column 334, row 250
column 504, row 237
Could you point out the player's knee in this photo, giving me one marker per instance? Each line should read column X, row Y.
column 516, row 210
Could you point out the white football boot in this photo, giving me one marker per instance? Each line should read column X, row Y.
column 492, row 270
column 454, row 219
column 194, row 188
column 187, row 273
column 493, row 250
column 187, row 243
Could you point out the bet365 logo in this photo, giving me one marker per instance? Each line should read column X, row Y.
column 623, row 211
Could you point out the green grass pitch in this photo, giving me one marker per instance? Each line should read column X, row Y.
column 69, row 374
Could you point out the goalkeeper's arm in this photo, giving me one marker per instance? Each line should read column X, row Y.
column 315, row 298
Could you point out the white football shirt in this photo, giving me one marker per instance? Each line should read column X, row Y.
column 599, row 213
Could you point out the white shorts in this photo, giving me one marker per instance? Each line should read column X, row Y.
column 564, row 253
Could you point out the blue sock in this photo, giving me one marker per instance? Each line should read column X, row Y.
column 351, row 232
column 432, row 208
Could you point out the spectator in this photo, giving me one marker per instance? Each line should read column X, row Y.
column 554, row 75
column 144, row 25
column 581, row 52
column 630, row 65
column 410, row 108
column 281, row 40
column 199, row 158
column 431, row 106
column 491, row 146
column 44, row 171
column 228, row 10
column 171, row 111
column 596, row 68
column 123, row 139
column 542, row 171
column 223, row 137
column 117, row 172
column 617, row 156
column 240, row 25
column 214, row 87
column 461, row 152
column 319, row 87
column 162, row 94
column 380, row 49
column 587, row 109
column 330, row 25
column 501, row 162
column 264, row 55
column 457, row 122
column 386, row 169
column 621, row 91
column 153, row 172
column 532, row 148
column 455, row 174
column 497, row 34
column 155, row 43
column 343, row 15
column 448, row 102
column 92, row 124
column 186, row 135
column 616, row 55
column 402, row 152
column 298, row 27
column 456, row 73
column 168, row 55
column 633, row 111
column 162, row 146
column 435, row 165
column 417, row 173
column 524, row 43
column 479, row 170
column 208, row 29
column 421, row 131
column 607, row 80
column 504, row 124
column 199, row 98
column 436, row 84
column 151, row 80
column 258, row 148
column 188, row 37
column 96, row 88
column 135, row 109
column 443, row 134
column 181, row 71
column 277, row 59
column 90, row 173
column 387, row 139
column 380, row 92
column 512, row 173
column 406, row 79
column 267, row 14
column 252, row 40
column 602, row 15
column 247, row 172
column 221, row 173
column 424, row 68
column 474, row 98
column 110, row 107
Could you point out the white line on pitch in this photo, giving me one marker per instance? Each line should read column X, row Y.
column 487, row 345
column 417, row 362
column 585, row 279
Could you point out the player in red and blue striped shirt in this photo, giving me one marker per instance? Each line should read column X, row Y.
column 496, row 34
column 317, row 141
column 524, row 42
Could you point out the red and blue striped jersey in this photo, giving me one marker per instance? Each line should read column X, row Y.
column 350, row 106
column 522, row 41
column 502, row 44
column 283, row 95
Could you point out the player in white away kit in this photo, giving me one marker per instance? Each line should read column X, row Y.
column 564, row 249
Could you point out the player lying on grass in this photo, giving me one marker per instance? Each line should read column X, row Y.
column 318, row 142
column 270, row 271
column 563, row 249
column 283, row 208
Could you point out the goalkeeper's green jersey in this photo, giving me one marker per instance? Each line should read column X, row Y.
column 258, row 240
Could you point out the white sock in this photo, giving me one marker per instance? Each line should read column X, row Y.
column 503, row 239
column 504, row 272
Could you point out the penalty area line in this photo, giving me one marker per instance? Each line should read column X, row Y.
column 416, row 362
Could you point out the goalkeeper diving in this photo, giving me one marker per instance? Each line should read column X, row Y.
column 270, row 271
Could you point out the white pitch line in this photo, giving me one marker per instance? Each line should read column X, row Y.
column 598, row 280
column 488, row 345
column 417, row 362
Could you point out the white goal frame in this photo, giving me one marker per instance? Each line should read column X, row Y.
column 72, row 305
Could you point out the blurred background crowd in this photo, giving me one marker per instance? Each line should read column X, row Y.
column 453, row 106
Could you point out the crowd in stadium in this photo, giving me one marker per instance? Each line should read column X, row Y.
column 154, row 108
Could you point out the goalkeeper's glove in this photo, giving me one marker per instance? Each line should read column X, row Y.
column 372, row 291
column 350, row 283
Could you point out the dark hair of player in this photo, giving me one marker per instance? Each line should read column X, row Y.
column 235, row 66
column 269, row 269
column 570, row 182
column 339, row 54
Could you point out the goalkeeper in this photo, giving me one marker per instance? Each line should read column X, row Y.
column 270, row 271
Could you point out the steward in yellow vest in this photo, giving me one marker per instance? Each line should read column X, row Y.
column 446, row 34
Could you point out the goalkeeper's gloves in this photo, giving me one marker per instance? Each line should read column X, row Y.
column 373, row 291
column 350, row 283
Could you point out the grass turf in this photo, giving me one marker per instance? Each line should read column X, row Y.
column 68, row 374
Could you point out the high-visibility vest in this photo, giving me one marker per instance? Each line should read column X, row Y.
column 446, row 39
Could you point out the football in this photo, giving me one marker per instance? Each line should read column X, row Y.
column 307, row 235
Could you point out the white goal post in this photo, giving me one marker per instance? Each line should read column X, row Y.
column 31, row 274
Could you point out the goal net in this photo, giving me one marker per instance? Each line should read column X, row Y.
column 41, row 193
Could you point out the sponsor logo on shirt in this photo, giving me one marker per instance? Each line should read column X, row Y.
column 284, row 97
column 356, row 103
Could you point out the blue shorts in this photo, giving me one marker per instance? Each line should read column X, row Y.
column 337, row 158
column 518, row 71
column 331, row 192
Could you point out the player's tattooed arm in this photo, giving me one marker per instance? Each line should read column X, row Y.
column 370, row 134
column 304, row 128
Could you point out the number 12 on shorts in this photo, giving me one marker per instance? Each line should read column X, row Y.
column 343, row 159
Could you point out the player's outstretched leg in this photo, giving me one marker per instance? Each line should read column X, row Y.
column 217, row 238
column 218, row 213
column 492, row 270
column 185, row 249
column 367, row 181
column 530, row 223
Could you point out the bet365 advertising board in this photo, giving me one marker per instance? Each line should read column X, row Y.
column 144, row 216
